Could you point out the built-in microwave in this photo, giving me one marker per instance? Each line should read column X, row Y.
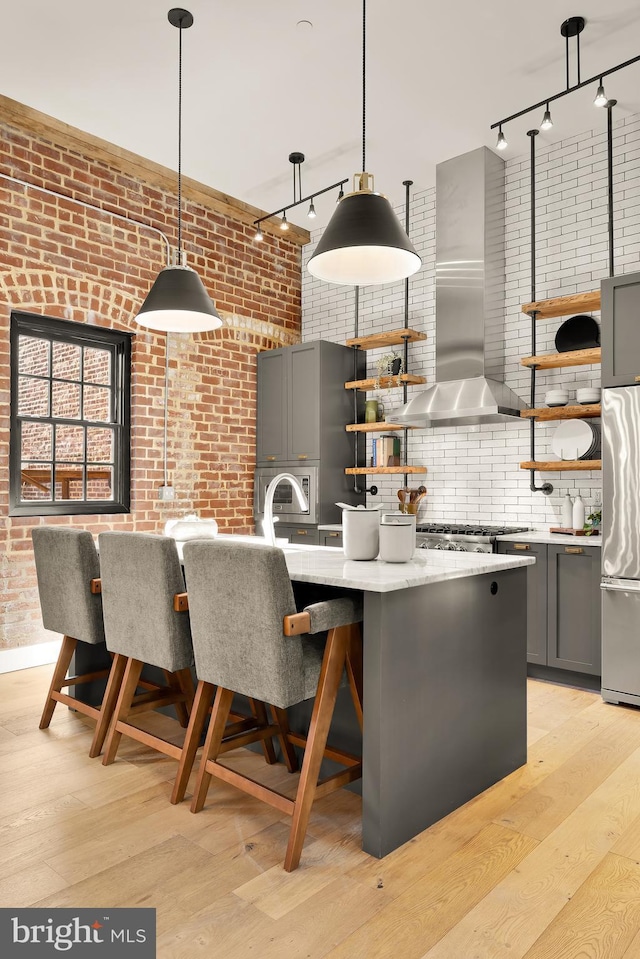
column 285, row 503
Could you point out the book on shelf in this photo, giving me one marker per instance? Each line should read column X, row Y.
column 386, row 451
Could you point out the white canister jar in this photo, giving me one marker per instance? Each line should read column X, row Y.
column 360, row 537
column 397, row 537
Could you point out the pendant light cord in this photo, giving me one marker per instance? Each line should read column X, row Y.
column 364, row 82
column 179, row 252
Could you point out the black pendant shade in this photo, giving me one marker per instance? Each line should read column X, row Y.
column 178, row 303
column 364, row 243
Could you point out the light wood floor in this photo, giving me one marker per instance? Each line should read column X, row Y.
column 544, row 865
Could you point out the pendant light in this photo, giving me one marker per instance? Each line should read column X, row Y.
column 364, row 242
column 178, row 302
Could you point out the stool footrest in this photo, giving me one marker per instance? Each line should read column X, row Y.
column 76, row 704
column 330, row 752
column 85, row 678
column 168, row 697
column 251, row 787
column 339, row 779
column 253, row 736
column 148, row 739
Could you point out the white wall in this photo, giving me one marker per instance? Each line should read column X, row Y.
column 473, row 472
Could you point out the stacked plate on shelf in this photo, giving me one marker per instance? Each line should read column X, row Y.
column 576, row 440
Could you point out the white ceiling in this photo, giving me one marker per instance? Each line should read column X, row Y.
column 257, row 86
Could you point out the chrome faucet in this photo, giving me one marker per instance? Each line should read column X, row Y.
column 268, row 527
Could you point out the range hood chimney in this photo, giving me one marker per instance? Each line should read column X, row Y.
column 470, row 276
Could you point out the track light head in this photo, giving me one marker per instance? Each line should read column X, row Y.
column 600, row 99
column 259, row 237
column 285, row 223
column 547, row 122
column 312, row 211
column 501, row 143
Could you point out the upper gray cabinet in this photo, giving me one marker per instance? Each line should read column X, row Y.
column 272, row 406
column 303, row 407
column 620, row 335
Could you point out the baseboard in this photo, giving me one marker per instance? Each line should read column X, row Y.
column 23, row 657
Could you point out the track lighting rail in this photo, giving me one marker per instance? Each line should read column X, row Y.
column 304, row 199
column 563, row 93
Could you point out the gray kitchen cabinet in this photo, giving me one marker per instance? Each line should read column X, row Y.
column 271, row 442
column 304, row 402
column 620, row 339
column 331, row 537
column 563, row 605
column 573, row 611
column 299, row 534
column 536, row 597
column 303, row 407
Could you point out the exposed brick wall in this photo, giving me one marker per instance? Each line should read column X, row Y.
column 60, row 259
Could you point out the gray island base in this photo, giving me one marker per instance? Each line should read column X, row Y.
column 444, row 681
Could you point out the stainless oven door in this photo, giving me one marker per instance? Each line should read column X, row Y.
column 285, row 504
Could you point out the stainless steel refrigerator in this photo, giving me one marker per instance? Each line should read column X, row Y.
column 621, row 545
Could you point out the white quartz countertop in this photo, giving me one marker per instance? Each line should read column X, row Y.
column 332, row 526
column 542, row 536
column 329, row 567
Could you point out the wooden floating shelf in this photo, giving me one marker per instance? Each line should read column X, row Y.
column 550, row 361
column 385, row 382
column 583, row 412
column 377, row 427
column 564, row 305
column 390, row 338
column 362, row 470
column 559, row 465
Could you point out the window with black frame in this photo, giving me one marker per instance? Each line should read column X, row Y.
column 70, row 417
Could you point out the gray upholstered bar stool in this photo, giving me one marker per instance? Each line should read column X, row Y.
column 140, row 575
column 248, row 638
column 68, row 572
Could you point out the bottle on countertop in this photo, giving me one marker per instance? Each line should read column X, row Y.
column 578, row 513
column 567, row 512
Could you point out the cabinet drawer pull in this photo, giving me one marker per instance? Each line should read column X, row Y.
column 573, row 549
column 334, row 534
column 270, row 458
column 302, row 532
column 521, row 546
column 303, row 456
column 637, row 379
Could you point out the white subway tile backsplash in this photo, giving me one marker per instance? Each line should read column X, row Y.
column 473, row 473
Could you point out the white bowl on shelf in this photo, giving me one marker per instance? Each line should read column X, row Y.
column 556, row 397
column 588, row 394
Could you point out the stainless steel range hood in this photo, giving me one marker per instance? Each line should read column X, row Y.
column 470, row 277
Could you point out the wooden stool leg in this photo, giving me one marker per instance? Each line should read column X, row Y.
column 125, row 699
column 59, row 675
column 108, row 704
column 201, row 704
column 259, row 711
column 219, row 716
column 330, row 675
column 182, row 712
column 282, row 721
column 354, row 668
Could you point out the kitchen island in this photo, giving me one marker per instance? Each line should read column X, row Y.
column 444, row 679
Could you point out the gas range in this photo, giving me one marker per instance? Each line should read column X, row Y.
column 463, row 537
